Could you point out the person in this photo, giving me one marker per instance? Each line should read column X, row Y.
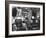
column 14, row 12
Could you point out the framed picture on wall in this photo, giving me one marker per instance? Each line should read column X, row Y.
column 24, row 18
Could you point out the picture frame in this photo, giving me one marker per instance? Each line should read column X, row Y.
column 32, row 8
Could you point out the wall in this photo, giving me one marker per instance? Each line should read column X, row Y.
column 2, row 19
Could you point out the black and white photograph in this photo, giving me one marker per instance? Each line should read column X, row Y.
column 25, row 19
